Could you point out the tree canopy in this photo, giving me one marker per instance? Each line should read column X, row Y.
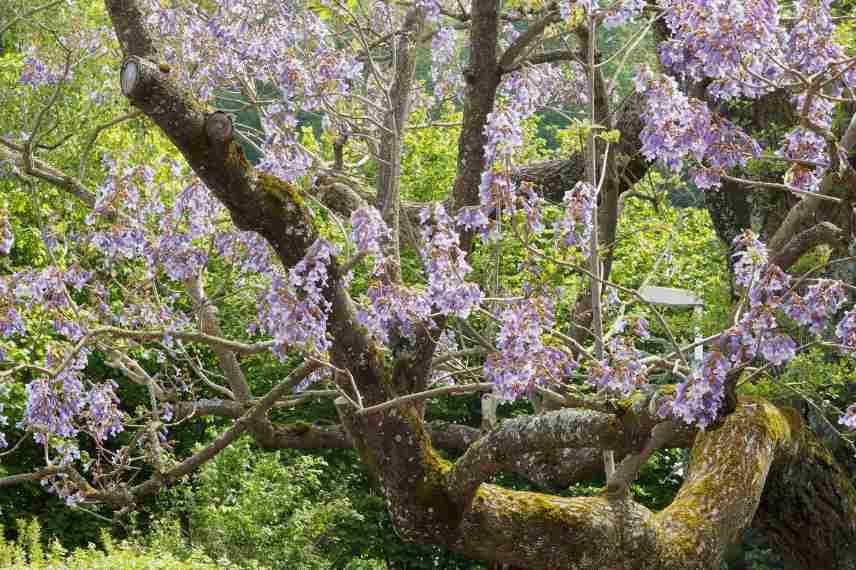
column 216, row 213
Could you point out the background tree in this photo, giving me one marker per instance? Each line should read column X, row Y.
column 111, row 320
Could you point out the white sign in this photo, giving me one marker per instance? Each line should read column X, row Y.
column 670, row 296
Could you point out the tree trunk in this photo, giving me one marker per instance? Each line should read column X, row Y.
column 808, row 509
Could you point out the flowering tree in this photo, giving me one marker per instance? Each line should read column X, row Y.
column 321, row 244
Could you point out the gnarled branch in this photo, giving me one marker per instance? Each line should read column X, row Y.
column 553, row 430
column 719, row 497
column 822, row 233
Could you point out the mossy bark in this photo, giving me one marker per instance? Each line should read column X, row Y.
column 725, row 489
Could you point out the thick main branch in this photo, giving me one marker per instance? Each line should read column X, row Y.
column 725, row 482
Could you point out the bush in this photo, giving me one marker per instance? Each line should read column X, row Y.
column 28, row 552
column 263, row 510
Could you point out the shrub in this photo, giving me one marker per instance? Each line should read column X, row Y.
column 28, row 552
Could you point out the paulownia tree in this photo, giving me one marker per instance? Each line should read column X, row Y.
column 135, row 285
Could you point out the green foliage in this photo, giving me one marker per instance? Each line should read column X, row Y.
column 660, row 478
column 261, row 509
column 249, row 508
column 672, row 247
column 29, row 552
column 814, row 375
column 429, row 163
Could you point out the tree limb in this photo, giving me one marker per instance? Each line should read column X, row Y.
column 210, row 325
column 532, row 33
column 718, row 499
column 256, row 200
column 192, row 463
column 822, row 233
column 388, row 200
column 554, row 430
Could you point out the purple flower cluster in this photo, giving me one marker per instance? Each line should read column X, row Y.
column 698, row 399
column 821, row 302
column 523, row 360
column 472, row 218
column 7, row 237
column 172, row 237
column 102, row 416
column 521, row 94
column 445, row 74
column 283, row 157
column 44, row 62
column 574, row 227
column 620, row 372
column 804, row 145
column 724, row 40
column 11, row 323
column 42, row 291
column 290, row 46
column 37, row 72
column 62, row 406
column 748, row 50
column 633, row 324
column 810, row 45
column 431, row 8
column 52, row 406
column 768, row 290
column 393, row 308
column 846, row 331
column 446, row 265
column 566, row 7
column 294, row 311
column 677, row 128
column 848, row 420
column 751, row 259
column 369, row 232
column 247, row 252
column 621, row 12
column 504, row 135
column 446, row 344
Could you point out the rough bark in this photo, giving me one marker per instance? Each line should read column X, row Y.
column 391, row 145
column 808, row 509
column 718, row 499
column 482, row 78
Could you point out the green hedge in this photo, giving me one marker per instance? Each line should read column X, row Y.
column 28, row 552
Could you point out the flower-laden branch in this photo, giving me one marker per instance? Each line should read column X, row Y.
column 257, row 201
column 381, row 355
column 170, row 476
